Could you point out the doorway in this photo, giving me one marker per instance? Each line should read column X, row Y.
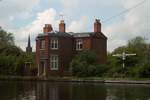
column 42, row 67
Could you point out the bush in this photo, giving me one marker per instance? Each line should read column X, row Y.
column 85, row 65
column 135, row 66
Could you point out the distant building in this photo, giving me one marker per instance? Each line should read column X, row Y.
column 29, row 48
column 55, row 50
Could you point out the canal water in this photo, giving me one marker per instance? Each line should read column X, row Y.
column 17, row 90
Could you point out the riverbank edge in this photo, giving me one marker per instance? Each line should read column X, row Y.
column 77, row 80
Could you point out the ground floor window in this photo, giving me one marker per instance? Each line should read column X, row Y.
column 54, row 62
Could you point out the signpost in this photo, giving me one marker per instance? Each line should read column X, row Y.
column 124, row 56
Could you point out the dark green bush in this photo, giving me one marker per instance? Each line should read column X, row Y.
column 85, row 65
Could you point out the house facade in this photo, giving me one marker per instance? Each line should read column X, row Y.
column 56, row 49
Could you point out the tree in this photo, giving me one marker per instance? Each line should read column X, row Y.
column 6, row 38
column 12, row 58
column 20, row 64
column 85, row 65
column 137, row 65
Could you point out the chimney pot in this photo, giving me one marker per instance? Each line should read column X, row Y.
column 97, row 26
column 47, row 28
column 62, row 26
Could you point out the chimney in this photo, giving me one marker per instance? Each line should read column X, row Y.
column 62, row 26
column 47, row 28
column 97, row 26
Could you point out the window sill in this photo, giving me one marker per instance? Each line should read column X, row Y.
column 54, row 48
column 55, row 69
column 42, row 49
column 79, row 49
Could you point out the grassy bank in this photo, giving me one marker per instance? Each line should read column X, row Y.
column 78, row 79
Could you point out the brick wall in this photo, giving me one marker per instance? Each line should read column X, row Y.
column 65, row 53
column 99, row 46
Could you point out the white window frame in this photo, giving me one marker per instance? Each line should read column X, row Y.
column 54, row 43
column 42, row 44
column 79, row 44
column 54, row 62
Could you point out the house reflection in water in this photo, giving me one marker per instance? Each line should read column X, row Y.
column 25, row 90
column 67, row 91
column 50, row 91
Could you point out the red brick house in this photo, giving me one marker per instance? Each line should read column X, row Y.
column 55, row 49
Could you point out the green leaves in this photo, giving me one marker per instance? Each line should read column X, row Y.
column 85, row 65
column 12, row 58
column 136, row 66
column 6, row 38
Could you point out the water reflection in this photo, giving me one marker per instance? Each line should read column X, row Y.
column 66, row 91
column 128, row 92
column 47, row 91
column 71, row 91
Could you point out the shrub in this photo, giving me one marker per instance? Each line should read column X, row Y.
column 85, row 65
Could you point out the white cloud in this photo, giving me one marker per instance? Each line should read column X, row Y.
column 134, row 23
column 69, row 5
column 78, row 26
column 45, row 17
column 14, row 9
column 88, row 7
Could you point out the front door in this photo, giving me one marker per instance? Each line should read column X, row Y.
column 42, row 67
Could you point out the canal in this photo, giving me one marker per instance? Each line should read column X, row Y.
column 18, row 90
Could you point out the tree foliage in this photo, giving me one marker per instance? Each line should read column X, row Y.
column 136, row 66
column 6, row 38
column 85, row 65
column 12, row 58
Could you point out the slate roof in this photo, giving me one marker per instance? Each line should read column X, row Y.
column 55, row 33
column 87, row 34
column 71, row 34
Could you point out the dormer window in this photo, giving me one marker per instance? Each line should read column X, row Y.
column 54, row 43
column 42, row 44
column 79, row 44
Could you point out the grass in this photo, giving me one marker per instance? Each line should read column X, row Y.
column 35, row 78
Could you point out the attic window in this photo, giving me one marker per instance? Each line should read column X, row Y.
column 79, row 44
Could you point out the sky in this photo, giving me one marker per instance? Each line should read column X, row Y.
column 24, row 17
